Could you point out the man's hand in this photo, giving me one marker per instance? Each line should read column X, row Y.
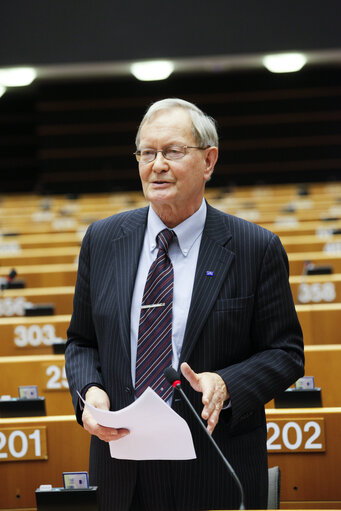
column 214, row 393
column 100, row 399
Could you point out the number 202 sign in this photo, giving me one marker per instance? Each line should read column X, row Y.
column 26, row 443
column 295, row 435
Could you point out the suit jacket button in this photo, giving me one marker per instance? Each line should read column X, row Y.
column 128, row 390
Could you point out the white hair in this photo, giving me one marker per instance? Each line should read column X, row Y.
column 203, row 126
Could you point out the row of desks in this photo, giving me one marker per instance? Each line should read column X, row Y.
column 64, row 274
column 31, row 236
column 312, row 289
column 36, row 451
column 55, row 205
column 20, row 335
column 253, row 214
column 13, row 253
column 308, row 439
column 48, row 373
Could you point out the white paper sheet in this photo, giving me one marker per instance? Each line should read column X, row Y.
column 156, row 431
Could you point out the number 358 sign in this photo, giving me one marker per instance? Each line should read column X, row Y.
column 295, row 435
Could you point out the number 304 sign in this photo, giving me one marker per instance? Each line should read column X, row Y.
column 296, row 435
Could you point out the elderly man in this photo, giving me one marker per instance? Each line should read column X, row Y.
column 180, row 283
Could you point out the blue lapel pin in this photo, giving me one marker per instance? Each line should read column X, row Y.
column 209, row 273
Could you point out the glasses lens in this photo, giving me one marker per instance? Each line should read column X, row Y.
column 170, row 153
column 174, row 152
column 147, row 155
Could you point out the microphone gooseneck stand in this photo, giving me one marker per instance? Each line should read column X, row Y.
column 173, row 378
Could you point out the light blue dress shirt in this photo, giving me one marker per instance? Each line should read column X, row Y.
column 183, row 253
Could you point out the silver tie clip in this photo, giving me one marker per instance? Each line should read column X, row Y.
column 153, row 305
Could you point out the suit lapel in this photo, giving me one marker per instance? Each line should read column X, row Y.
column 216, row 259
column 126, row 250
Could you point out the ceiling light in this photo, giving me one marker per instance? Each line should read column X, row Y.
column 2, row 90
column 284, row 62
column 152, row 70
column 17, row 76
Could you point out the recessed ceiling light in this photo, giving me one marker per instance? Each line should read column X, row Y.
column 152, row 70
column 2, row 90
column 17, row 76
column 284, row 62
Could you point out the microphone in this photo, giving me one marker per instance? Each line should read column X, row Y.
column 7, row 281
column 173, row 379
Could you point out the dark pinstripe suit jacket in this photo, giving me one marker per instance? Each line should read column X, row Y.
column 242, row 324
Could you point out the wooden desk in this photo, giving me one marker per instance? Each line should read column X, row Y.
column 45, row 371
column 311, row 243
column 316, row 288
column 12, row 301
column 45, row 239
column 67, row 446
column 31, row 335
column 302, row 228
column 323, row 362
column 297, row 261
column 306, row 476
column 33, row 256
column 320, row 323
column 45, row 275
column 68, row 254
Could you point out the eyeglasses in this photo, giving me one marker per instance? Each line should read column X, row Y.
column 172, row 152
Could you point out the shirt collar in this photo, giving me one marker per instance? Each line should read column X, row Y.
column 187, row 232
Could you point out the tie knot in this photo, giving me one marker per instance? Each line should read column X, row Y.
column 164, row 238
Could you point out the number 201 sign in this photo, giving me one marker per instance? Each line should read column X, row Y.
column 295, row 435
column 27, row 443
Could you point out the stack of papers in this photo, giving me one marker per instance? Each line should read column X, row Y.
column 157, row 432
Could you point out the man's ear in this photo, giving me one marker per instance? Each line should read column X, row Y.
column 211, row 157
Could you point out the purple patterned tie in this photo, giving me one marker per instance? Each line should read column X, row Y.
column 154, row 345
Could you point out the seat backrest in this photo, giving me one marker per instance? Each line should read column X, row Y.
column 274, row 488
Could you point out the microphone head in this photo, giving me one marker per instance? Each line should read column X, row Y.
column 12, row 274
column 171, row 375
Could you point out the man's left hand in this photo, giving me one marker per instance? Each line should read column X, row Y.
column 214, row 393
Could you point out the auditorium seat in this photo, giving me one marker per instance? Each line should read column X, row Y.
column 274, row 492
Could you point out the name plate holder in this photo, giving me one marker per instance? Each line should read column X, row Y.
column 299, row 398
column 22, row 407
column 61, row 499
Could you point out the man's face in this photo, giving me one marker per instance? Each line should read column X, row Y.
column 179, row 183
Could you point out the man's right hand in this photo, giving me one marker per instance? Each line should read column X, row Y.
column 100, row 399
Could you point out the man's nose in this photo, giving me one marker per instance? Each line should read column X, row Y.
column 160, row 163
